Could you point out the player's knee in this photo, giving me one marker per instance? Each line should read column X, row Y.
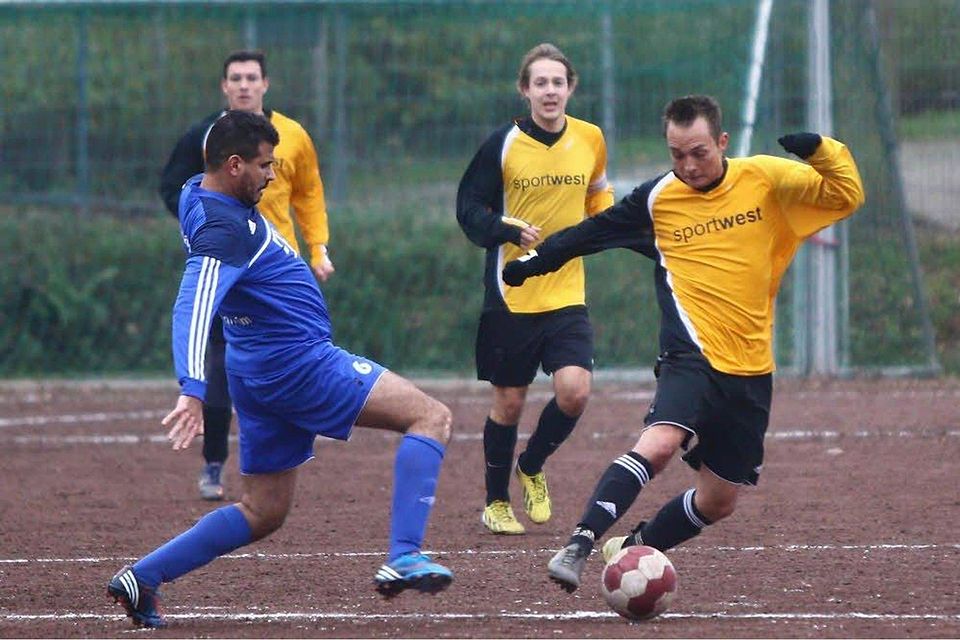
column 263, row 519
column 573, row 401
column 439, row 422
column 716, row 510
column 658, row 444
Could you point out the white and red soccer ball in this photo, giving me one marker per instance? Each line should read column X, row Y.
column 639, row 582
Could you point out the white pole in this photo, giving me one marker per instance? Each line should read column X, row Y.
column 823, row 317
column 761, row 30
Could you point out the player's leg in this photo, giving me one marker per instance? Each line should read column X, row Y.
column 217, row 414
column 685, row 516
column 567, row 353
column 397, row 404
column 262, row 510
column 565, row 341
column 270, row 450
column 557, row 420
column 616, row 490
column 499, row 446
column 683, row 387
column 507, row 357
column 728, row 455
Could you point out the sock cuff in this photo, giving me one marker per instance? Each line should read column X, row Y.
column 428, row 441
column 493, row 424
column 638, row 467
column 237, row 523
column 693, row 514
column 553, row 408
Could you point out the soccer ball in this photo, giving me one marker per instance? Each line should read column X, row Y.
column 639, row 582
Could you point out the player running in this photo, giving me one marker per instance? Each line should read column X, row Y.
column 722, row 233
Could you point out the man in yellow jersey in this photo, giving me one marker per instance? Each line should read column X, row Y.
column 531, row 178
column 297, row 186
column 722, row 232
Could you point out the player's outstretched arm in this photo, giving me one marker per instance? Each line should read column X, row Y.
column 625, row 224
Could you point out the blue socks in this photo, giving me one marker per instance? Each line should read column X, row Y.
column 414, row 482
column 215, row 534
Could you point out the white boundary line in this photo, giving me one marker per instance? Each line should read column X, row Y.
column 816, row 548
column 300, row 616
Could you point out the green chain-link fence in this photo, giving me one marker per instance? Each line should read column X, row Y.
column 397, row 96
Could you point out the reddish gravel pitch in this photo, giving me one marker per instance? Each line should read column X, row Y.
column 851, row 533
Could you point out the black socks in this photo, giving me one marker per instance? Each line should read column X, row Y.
column 616, row 491
column 499, row 442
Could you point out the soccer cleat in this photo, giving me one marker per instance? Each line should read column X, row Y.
column 141, row 602
column 536, row 498
column 498, row 518
column 567, row 565
column 209, row 483
column 412, row 571
column 613, row 546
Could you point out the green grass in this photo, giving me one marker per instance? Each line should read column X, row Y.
column 940, row 259
column 930, row 125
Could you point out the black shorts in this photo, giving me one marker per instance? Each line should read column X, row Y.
column 728, row 414
column 511, row 346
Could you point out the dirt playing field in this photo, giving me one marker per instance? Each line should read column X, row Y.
column 851, row 533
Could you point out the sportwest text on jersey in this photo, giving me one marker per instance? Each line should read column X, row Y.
column 548, row 180
column 717, row 224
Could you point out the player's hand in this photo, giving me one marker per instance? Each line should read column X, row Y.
column 324, row 267
column 185, row 422
column 516, row 271
column 529, row 236
column 802, row 144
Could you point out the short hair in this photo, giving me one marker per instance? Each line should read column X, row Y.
column 238, row 133
column 683, row 111
column 245, row 55
column 543, row 51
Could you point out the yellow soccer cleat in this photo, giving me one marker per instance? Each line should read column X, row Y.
column 498, row 518
column 536, row 498
column 612, row 547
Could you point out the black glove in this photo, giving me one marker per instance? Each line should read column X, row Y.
column 802, row 144
column 516, row 271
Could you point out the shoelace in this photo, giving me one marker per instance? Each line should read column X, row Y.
column 539, row 487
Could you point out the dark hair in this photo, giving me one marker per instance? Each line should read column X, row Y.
column 238, row 133
column 544, row 51
column 683, row 111
column 244, row 56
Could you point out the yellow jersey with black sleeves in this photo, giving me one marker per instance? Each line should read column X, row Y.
column 523, row 175
column 720, row 254
column 297, row 187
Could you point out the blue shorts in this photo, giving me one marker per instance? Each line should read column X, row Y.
column 280, row 415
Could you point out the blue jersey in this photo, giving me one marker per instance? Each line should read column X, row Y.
column 238, row 265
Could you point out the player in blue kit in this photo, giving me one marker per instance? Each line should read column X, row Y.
column 288, row 380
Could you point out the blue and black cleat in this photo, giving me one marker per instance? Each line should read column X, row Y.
column 412, row 571
column 141, row 602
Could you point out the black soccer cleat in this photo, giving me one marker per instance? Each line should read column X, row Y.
column 140, row 602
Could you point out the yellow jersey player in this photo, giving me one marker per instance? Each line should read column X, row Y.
column 532, row 178
column 721, row 233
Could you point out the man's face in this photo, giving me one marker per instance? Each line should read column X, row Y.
column 697, row 157
column 548, row 92
column 244, row 86
column 252, row 177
